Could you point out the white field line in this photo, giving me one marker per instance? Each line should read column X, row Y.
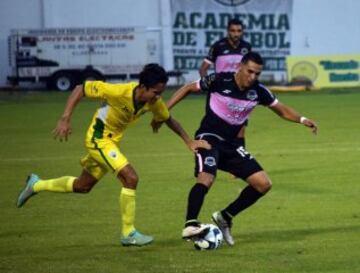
column 184, row 154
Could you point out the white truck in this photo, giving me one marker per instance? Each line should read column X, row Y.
column 64, row 57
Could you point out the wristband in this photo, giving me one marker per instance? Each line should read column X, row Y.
column 302, row 119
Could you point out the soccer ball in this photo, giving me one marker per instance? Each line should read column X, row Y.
column 211, row 240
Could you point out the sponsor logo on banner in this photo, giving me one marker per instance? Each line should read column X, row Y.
column 325, row 71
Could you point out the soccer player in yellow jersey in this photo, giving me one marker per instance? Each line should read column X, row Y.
column 122, row 104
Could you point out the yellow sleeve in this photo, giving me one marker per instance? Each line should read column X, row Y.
column 159, row 110
column 102, row 90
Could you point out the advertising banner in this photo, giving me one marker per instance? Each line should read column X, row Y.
column 116, row 50
column 198, row 24
column 325, row 71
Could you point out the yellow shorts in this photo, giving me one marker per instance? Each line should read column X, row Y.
column 103, row 156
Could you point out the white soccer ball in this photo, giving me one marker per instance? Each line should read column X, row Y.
column 211, row 240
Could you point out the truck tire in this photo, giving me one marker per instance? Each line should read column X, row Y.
column 62, row 81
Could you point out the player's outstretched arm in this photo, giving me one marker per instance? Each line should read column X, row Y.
column 203, row 69
column 290, row 114
column 192, row 144
column 175, row 98
column 182, row 93
column 63, row 126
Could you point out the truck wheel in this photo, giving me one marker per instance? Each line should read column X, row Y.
column 62, row 81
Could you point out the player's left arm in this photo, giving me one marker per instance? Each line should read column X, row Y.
column 290, row 114
column 192, row 144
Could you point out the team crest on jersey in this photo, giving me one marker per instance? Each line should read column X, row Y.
column 210, row 161
column 226, row 51
column 244, row 51
column 226, row 91
column 113, row 154
column 252, row 94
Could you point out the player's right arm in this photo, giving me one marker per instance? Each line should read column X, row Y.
column 202, row 84
column 63, row 126
column 175, row 98
column 207, row 62
column 182, row 93
column 204, row 68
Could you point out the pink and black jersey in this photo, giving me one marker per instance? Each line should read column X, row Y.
column 225, row 57
column 228, row 107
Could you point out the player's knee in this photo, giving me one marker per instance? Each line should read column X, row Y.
column 130, row 180
column 82, row 188
column 260, row 181
column 128, row 177
column 205, row 179
column 264, row 186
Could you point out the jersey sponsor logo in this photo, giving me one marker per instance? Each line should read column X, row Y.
column 226, row 91
column 210, row 161
column 226, row 51
column 231, row 110
column 252, row 94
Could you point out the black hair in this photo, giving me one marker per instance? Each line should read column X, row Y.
column 252, row 56
column 235, row 21
column 152, row 74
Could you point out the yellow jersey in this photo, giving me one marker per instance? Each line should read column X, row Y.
column 118, row 109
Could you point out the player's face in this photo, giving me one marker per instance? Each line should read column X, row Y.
column 235, row 32
column 248, row 73
column 151, row 94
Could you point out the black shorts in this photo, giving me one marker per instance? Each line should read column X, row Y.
column 226, row 156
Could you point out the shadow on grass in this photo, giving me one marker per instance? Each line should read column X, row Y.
column 293, row 234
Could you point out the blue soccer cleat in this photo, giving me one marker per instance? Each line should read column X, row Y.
column 28, row 190
column 135, row 238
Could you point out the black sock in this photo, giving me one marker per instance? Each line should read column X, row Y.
column 195, row 201
column 247, row 197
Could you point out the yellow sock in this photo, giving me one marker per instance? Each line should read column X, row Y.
column 127, row 208
column 61, row 184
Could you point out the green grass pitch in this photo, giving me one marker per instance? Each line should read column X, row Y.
column 308, row 222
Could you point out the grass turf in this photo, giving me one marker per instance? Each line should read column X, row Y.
column 308, row 222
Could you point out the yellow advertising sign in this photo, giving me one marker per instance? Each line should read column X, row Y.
column 325, row 71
